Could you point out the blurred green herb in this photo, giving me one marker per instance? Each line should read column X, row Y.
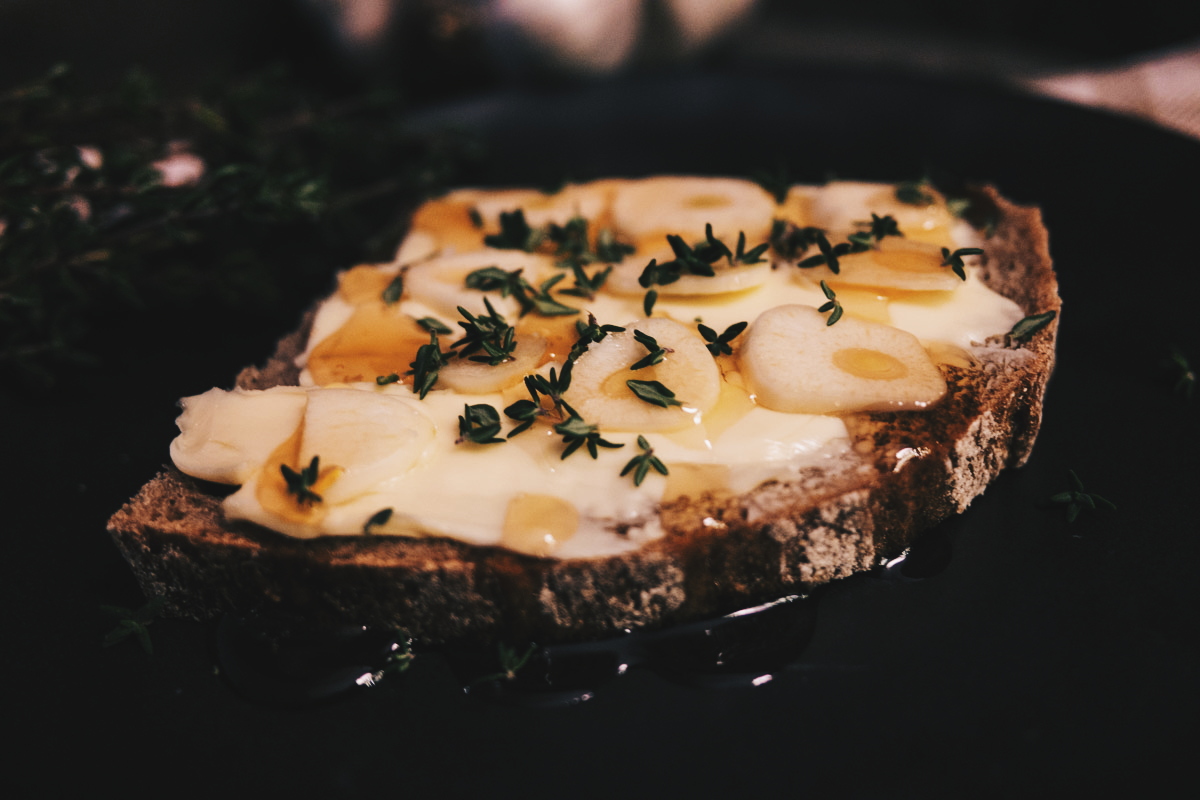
column 955, row 260
column 1182, row 374
column 300, row 483
column 131, row 204
column 1030, row 325
column 133, row 623
column 1077, row 500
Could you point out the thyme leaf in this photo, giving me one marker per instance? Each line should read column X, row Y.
column 656, row 353
column 134, row 623
column 394, row 290
column 429, row 360
column 833, row 305
column 479, row 424
column 642, row 463
column 719, row 345
column 300, row 483
column 576, row 434
column 653, row 393
column 1077, row 500
column 1030, row 325
column 955, row 260
column 380, row 517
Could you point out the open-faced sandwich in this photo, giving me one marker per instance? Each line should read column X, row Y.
column 624, row 404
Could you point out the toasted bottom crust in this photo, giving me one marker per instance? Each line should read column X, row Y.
column 719, row 551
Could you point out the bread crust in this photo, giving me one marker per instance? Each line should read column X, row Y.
column 719, row 552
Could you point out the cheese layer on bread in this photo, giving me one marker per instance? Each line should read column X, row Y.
column 713, row 339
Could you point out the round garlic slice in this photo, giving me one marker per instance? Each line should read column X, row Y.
column 793, row 361
column 600, row 393
column 648, row 209
column 370, row 437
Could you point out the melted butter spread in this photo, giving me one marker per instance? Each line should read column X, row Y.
column 763, row 412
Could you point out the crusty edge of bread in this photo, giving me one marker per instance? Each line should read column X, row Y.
column 719, row 552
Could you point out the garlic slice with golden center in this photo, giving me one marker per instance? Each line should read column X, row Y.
column 793, row 361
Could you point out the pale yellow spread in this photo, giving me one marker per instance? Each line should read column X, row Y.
column 762, row 412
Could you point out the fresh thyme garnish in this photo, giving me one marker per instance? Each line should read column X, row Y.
column 401, row 656
column 608, row 249
column 586, row 286
column 1077, row 500
column 511, row 282
column 641, row 464
column 791, row 241
column 576, row 433
column 589, row 334
column 384, row 380
column 134, row 623
column 380, row 517
column 475, row 217
column 656, row 353
column 914, row 193
column 833, row 305
column 697, row 260
column 489, row 333
column 479, row 424
column 1031, row 325
column 515, row 233
column 955, row 260
column 394, row 289
column 300, row 483
column 553, row 388
column 653, row 393
column 434, row 325
column 777, row 182
column 880, row 227
column 1184, row 375
column 648, row 302
column 430, row 359
column 719, row 345
column 830, row 253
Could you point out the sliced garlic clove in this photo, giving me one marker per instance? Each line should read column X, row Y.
column 368, row 437
column 600, row 394
column 793, row 361
column 440, row 284
column 474, row 377
column 648, row 210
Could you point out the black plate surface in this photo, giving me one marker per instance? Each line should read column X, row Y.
column 1046, row 657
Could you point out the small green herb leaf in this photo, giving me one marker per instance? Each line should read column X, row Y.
column 576, row 433
column 300, row 483
column 656, row 353
column 393, row 291
column 479, row 424
column 653, row 393
column 833, row 305
column 955, row 260
column 719, row 345
column 380, row 517
column 1031, row 325
column 133, row 623
column 642, row 463
column 1077, row 500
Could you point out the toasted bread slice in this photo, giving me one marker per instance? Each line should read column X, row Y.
column 719, row 551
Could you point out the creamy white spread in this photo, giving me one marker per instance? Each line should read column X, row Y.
column 368, row 455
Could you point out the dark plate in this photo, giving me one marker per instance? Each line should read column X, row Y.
column 1044, row 656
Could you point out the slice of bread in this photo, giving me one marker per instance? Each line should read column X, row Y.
column 719, row 552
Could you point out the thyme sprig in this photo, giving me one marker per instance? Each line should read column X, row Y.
column 914, row 193
column 588, row 335
column 479, row 424
column 656, row 353
column 719, row 344
column 134, row 623
column 880, row 228
column 300, row 483
column 512, row 282
column 576, row 434
column 377, row 519
column 488, row 332
column 515, row 233
column 1030, row 325
column 510, row 664
column 551, row 387
column 790, row 240
column 955, row 260
column 834, row 305
column 641, row 464
column 830, row 253
column 1077, row 500
column 654, row 393
column 429, row 360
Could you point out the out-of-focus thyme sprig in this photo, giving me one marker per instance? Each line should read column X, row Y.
column 275, row 186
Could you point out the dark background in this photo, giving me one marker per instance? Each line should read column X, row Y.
column 1047, row 659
